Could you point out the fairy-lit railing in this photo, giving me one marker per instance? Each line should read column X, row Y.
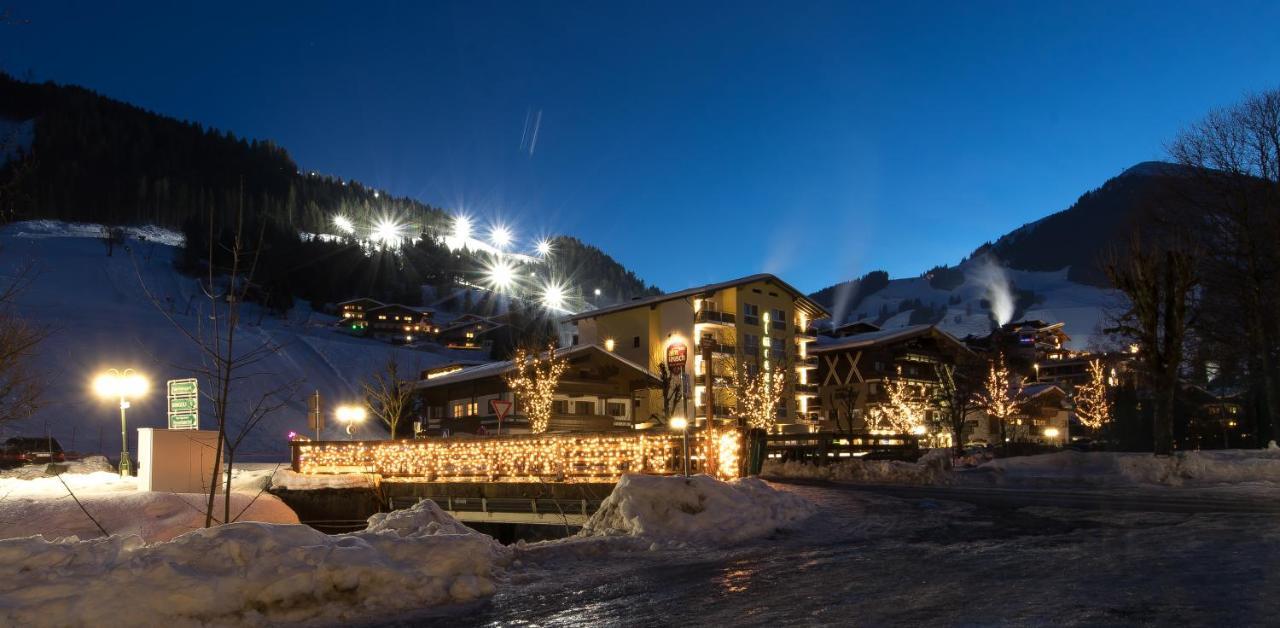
column 594, row 457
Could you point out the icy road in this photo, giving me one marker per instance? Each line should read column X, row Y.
column 936, row 556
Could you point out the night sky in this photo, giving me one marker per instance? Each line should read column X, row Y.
column 813, row 140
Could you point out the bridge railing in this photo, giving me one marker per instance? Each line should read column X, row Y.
column 566, row 457
column 827, row 447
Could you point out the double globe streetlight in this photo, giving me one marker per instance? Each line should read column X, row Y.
column 350, row 416
column 122, row 385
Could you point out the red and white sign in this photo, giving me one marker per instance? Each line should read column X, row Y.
column 677, row 355
column 500, row 407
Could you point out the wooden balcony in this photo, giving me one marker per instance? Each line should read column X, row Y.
column 715, row 317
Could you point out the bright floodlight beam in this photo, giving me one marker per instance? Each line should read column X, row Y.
column 344, row 224
column 500, row 275
column 462, row 228
column 500, row 236
column 387, row 231
column 544, row 247
column 553, row 296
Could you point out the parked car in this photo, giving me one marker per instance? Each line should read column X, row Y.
column 21, row 450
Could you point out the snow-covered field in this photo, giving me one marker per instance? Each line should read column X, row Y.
column 100, row 317
column 1060, row 469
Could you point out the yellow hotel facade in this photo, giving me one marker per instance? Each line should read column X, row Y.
column 742, row 323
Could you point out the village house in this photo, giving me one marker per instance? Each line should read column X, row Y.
column 598, row 391
column 852, row 370
column 399, row 322
column 353, row 312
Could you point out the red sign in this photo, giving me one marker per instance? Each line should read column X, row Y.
column 677, row 355
column 500, row 407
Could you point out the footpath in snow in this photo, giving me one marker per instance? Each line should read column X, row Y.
column 1060, row 469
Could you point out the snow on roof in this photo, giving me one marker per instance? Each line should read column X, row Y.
column 493, row 369
column 859, row 341
column 817, row 310
column 1035, row 390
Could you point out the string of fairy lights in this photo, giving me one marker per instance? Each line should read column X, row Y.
column 547, row 457
column 504, row 265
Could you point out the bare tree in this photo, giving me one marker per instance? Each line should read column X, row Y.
column 227, row 365
column 959, row 385
column 1160, row 278
column 387, row 395
column 20, row 384
column 1231, row 187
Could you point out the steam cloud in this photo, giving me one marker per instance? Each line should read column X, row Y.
column 990, row 275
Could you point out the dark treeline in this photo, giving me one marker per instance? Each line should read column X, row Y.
column 94, row 159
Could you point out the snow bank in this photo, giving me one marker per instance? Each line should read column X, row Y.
column 290, row 480
column 933, row 468
column 60, row 229
column 699, row 509
column 89, row 464
column 1191, row 468
column 43, row 506
column 249, row 574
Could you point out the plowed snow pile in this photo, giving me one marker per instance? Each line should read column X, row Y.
column 249, row 574
column 699, row 509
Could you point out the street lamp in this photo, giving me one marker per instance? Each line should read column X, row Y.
column 351, row 416
column 682, row 424
column 124, row 386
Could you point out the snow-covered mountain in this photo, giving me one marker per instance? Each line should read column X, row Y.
column 100, row 317
column 966, row 309
column 1048, row 267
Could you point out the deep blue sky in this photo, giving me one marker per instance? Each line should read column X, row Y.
column 817, row 141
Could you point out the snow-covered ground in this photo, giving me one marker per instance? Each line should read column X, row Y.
column 250, row 574
column 100, row 317
column 1060, row 469
column 44, row 504
column 154, row 569
column 866, row 559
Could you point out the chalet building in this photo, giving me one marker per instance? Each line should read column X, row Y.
column 599, row 391
column 473, row 332
column 851, row 371
column 741, row 323
column 1044, row 416
column 1025, row 343
column 1214, row 421
column 399, row 322
column 353, row 312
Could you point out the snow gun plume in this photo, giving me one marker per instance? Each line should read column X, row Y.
column 990, row 275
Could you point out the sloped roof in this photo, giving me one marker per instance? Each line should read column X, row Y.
column 495, row 369
column 872, row 338
column 816, row 310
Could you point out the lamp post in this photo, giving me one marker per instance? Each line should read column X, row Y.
column 682, row 424
column 124, row 386
column 350, row 415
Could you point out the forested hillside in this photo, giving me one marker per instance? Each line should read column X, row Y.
column 99, row 160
